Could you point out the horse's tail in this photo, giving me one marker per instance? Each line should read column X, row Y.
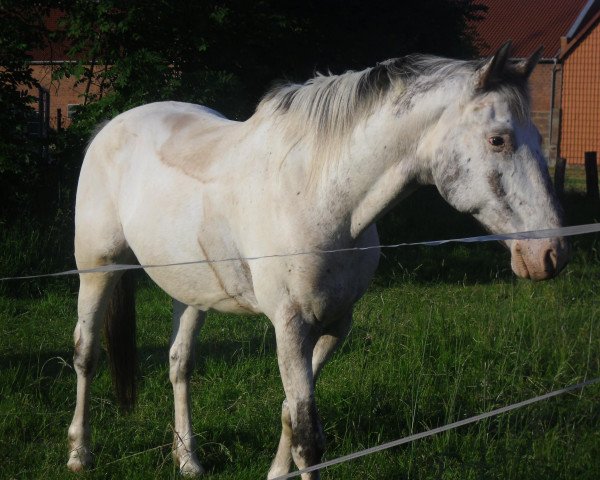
column 119, row 332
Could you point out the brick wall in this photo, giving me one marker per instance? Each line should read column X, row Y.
column 63, row 92
column 580, row 131
column 540, row 86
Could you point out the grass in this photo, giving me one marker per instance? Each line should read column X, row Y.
column 444, row 333
column 575, row 178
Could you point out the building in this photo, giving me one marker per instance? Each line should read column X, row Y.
column 565, row 87
column 580, row 59
column 60, row 96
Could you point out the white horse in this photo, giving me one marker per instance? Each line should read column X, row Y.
column 312, row 169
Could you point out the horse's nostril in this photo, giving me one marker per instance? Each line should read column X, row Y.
column 551, row 261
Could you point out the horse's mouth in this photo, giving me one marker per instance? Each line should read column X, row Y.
column 539, row 259
column 518, row 265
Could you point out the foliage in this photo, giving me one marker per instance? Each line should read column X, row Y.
column 22, row 30
column 225, row 53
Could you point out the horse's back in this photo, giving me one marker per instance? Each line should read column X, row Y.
column 153, row 184
column 150, row 124
column 168, row 132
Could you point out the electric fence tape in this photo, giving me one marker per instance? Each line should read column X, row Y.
column 529, row 235
column 434, row 431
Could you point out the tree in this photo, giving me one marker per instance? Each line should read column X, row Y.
column 221, row 53
column 22, row 30
column 226, row 53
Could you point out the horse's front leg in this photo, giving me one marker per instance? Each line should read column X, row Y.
column 328, row 342
column 187, row 321
column 296, row 339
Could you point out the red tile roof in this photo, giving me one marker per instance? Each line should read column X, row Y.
column 528, row 23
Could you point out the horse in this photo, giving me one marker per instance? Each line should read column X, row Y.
column 311, row 170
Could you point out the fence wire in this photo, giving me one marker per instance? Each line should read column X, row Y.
column 435, row 431
column 527, row 235
column 536, row 234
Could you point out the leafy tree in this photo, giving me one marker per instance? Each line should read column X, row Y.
column 22, row 30
column 225, row 53
column 221, row 53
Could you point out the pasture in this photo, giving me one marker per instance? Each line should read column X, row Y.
column 443, row 333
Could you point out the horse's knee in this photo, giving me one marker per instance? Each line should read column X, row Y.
column 286, row 418
column 180, row 365
column 85, row 356
column 308, row 441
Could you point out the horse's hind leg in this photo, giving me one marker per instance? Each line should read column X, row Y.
column 95, row 291
column 327, row 343
column 99, row 240
column 187, row 321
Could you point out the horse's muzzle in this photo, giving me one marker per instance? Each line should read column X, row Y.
column 539, row 259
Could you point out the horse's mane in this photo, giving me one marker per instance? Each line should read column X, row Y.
column 333, row 103
column 327, row 107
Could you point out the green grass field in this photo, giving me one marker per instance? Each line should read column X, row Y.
column 444, row 333
column 575, row 178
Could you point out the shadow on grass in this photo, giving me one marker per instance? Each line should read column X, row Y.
column 426, row 216
column 224, row 351
column 40, row 369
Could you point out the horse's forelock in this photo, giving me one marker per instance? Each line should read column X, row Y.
column 514, row 88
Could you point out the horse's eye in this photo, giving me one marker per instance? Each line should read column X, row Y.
column 496, row 141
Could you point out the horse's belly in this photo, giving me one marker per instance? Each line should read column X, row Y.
column 200, row 286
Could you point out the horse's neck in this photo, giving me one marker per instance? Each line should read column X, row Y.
column 377, row 165
column 381, row 166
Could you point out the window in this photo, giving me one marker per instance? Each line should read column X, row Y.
column 72, row 109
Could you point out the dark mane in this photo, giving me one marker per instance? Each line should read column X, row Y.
column 415, row 74
column 325, row 109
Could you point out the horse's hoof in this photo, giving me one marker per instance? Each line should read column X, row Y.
column 80, row 460
column 191, row 468
column 277, row 472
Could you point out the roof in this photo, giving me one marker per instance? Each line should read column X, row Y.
column 530, row 24
column 568, row 47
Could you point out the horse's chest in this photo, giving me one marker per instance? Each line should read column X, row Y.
column 323, row 287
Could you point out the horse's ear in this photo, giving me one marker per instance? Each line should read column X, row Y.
column 492, row 71
column 525, row 67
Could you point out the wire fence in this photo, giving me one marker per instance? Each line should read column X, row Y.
column 527, row 235
column 536, row 234
column 435, row 431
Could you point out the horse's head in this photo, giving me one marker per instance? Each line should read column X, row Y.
column 487, row 161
